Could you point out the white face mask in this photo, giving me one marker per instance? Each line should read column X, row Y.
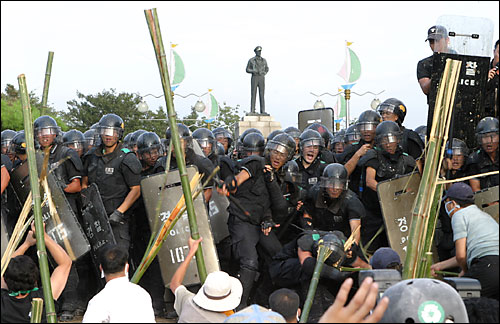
column 451, row 211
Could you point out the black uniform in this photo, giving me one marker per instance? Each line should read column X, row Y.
column 411, row 143
column 114, row 174
column 312, row 174
column 424, row 69
column 6, row 163
column 387, row 167
column 355, row 178
column 480, row 162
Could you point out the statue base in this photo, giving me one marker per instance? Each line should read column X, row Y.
column 265, row 123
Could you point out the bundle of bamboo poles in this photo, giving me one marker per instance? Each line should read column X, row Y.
column 427, row 202
column 156, row 38
column 36, row 310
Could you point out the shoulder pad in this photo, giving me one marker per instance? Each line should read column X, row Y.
column 370, row 154
column 126, row 150
column 131, row 161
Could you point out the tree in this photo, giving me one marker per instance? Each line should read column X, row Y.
column 226, row 118
column 12, row 110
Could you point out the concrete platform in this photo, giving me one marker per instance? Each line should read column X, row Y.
column 266, row 124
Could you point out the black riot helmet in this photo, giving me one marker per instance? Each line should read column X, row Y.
column 91, row 137
column 184, row 134
column 334, row 241
column 283, row 144
column 323, row 130
column 393, row 106
column 253, row 142
column 339, row 137
column 458, row 147
column 424, row 300
column 220, row 133
column 219, row 150
column 74, row 139
column 148, row 142
column 422, row 132
column 292, row 172
column 273, row 134
column 133, row 138
column 18, row 144
column 334, row 176
column 368, row 120
column 206, row 139
column 311, row 137
column 293, row 131
column 46, row 125
column 126, row 140
column 110, row 123
column 249, row 131
column 387, row 132
column 352, row 134
column 487, row 127
column 7, row 136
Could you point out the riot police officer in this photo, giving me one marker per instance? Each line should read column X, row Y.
column 75, row 140
column 352, row 135
column 90, row 139
column 310, row 164
column 325, row 154
column 224, row 137
column 239, row 143
column 206, row 139
column 386, row 161
column 126, row 140
column 7, row 136
column 203, row 164
column 149, row 149
column 395, row 110
column 486, row 158
column 116, row 171
column 294, row 132
column 338, row 142
column 273, row 134
column 366, row 124
column 132, row 144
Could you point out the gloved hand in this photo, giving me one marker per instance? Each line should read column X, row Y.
column 117, row 217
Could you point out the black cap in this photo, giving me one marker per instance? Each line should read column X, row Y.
column 436, row 32
column 460, row 191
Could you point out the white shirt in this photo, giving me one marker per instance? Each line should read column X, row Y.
column 120, row 302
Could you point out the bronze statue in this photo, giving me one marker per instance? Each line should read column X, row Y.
column 257, row 65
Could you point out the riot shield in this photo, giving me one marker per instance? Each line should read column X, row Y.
column 469, row 40
column 487, row 200
column 95, row 222
column 19, row 179
column 396, row 198
column 4, row 236
column 217, row 210
column 324, row 116
column 174, row 249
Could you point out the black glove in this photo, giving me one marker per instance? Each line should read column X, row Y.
column 306, row 223
column 231, row 183
column 266, row 224
column 117, row 217
column 269, row 176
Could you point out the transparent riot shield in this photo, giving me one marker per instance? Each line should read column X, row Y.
column 95, row 222
column 469, row 40
column 487, row 200
column 4, row 236
column 217, row 210
column 324, row 116
column 175, row 248
column 396, row 198
column 464, row 35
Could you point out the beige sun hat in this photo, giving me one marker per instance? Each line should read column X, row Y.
column 219, row 293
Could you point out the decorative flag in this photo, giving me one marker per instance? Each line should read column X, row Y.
column 351, row 69
column 176, row 69
column 211, row 110
column 340, row 107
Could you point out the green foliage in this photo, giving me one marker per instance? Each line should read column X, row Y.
column 12, row 111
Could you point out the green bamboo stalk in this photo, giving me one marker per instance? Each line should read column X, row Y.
column 37, row 209
column 48, row 71
column 446, row 273
column 154, row 29
column 349, row 269
column 428, row 263
column 314, row 283
column 36, row 310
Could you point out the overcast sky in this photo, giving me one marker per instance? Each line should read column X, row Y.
column 103, row 45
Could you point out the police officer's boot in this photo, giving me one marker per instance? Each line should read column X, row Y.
column 247, row 278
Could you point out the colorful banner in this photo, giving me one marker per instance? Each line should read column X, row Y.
column 177, row 72
column 211, row 109
column 351, row 69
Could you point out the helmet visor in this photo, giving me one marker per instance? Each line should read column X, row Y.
column 487, row 138
column 386, row 109
column 74, row 145
column 333, row 183
column 294, row 177
column 204, row 143
column 107, row 131
column 312, row 142
column 46, row 131
column 367, row 127
column 389, row 138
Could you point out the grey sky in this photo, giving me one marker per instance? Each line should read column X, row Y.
column 101, row 45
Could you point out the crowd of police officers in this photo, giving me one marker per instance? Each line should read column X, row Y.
column 291, row 184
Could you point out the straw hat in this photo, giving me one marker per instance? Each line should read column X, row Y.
column 219, row 293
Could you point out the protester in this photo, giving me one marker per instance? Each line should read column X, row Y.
column 386, row 258
column 120, row 300
column 20, row 283
column 214, row 301
column 476, row 240
column 255, row 314
column 285, row 302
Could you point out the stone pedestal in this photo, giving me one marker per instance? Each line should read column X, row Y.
column 266, row 124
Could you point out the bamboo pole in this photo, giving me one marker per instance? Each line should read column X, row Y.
column 322, row 255
column 37, row 209
column 36, row 310
column 154, row 29
column 426, row 203
column 46, row 83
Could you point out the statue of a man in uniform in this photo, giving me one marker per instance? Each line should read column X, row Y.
column 257, row 65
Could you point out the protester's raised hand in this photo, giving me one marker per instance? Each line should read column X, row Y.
column 358, row 310
column 193, row 244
